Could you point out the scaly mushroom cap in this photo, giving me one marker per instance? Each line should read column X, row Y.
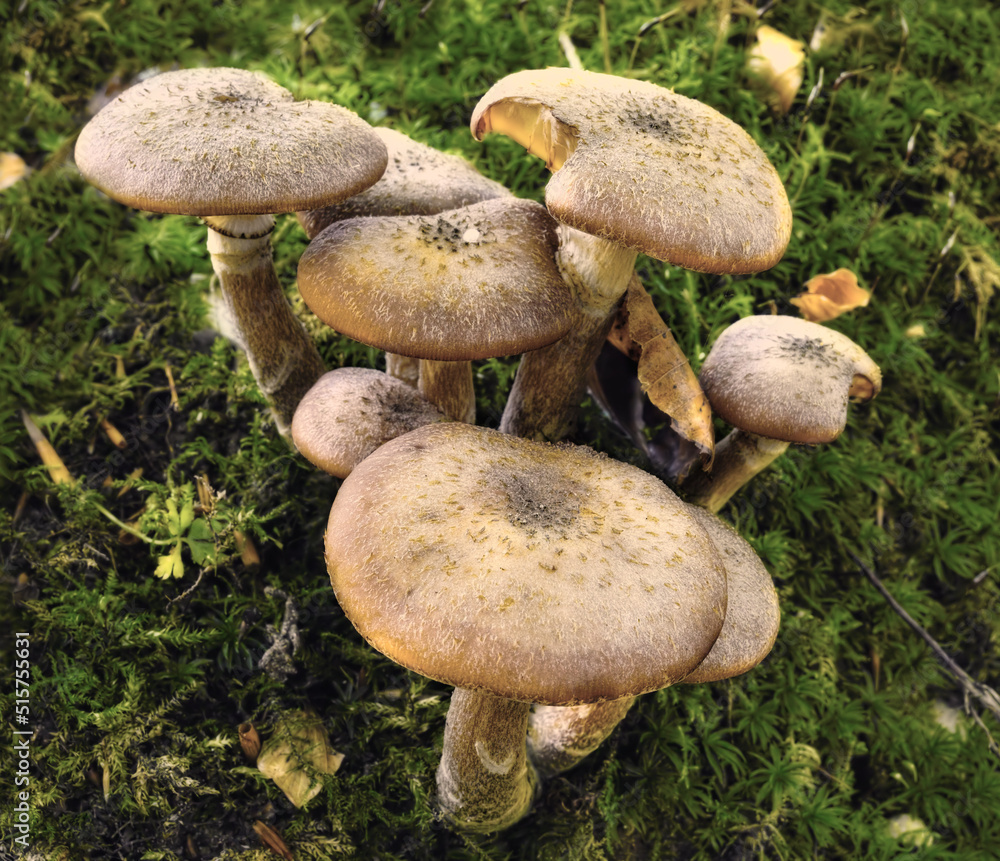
column 541, row 573
column 226, row 142
column 752, row 611
column 787, row 379
column 350, row 412
column 418, row 180
column 643, row 167
column 469, row 283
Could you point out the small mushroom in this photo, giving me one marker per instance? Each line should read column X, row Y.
column 350, row 412
column 520, row 573
column 419, row 180
column 560, row 737
column 235, row 148
column 777, row 380
column 636, row 168
column 465, row 284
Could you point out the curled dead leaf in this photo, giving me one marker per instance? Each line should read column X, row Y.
column 828, row 296
column 776, row 63
column 664, row 371
column 50, row 457
column 297, row 755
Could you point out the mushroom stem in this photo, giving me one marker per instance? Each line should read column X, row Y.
column 485, row 782
column 550, row 382
column 283, row 359
column 738, row 458
column 403, row 368
column 561, row 736
column 448, row 385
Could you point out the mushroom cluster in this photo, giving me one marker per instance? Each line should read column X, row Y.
column 235, row 148
column 548, row 584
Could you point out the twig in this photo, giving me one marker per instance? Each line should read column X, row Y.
column 189, row 590
column 986, row 695
column 569, row 49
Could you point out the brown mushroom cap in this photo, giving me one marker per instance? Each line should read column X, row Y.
column 752, row 611
column 350, row 412
column 418, row 180
column 643, row 167
column 786, row 378
column 226, row 142
column 541, row 573
column 469, row 283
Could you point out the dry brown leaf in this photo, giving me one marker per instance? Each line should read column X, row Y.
column 297, row 754
column 249, row 741
column 664, row 371
column 776, row 62
column 828, row 296
column 272, row 840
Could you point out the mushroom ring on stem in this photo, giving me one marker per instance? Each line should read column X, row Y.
column 520, row 573
column 235, row 148
column 419, row 180
column 560, row 737
column 636, row 168
column 777, row 380
column 471, row 283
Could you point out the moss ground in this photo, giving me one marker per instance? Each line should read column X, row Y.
column 138, row 682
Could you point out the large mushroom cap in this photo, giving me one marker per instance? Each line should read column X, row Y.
column 752, row 610
column 786, row 378
column 541, row 573
column 645, row 168
column 350, row 412
column 469, row 283
column 418, row 180
column 226, row 142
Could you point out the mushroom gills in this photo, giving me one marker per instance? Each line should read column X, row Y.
column 533, row 126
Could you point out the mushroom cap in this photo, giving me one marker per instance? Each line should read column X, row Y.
column 752, row 611
column 418, row 180
column 350, row 412
column 226, row 142
column 469, row 283
column 542, row 573
column 786, row 378
column 643, row 167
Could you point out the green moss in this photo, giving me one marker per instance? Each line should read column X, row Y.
column 139, row 683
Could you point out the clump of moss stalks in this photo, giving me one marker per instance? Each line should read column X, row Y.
column 844, row 743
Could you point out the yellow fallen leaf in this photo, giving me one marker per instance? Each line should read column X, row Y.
column 12, row 168
column 776, row 62
column 828, row 296
column 664, row 371
column 297, row 754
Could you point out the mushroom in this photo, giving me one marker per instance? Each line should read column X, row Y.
column 560, row 737
column 235, row 148
column 777, row 380
column 636, row 168
column 519, row 572
column 350, row 412
column 419, row 180
column 466, row 284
